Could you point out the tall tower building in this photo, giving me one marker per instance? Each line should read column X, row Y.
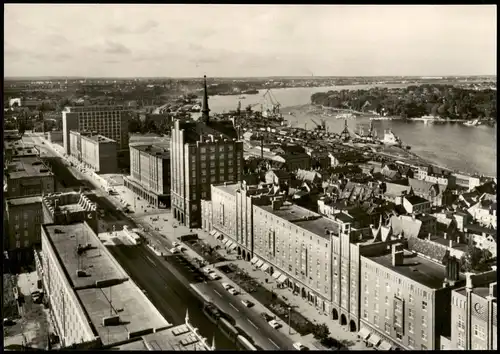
column 202, row 153
column 109, row 121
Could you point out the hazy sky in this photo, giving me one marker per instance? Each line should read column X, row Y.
column 248, row 40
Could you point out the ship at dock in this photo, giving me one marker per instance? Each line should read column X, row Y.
column 472, row 123
column 391, row 139
column 370, row 137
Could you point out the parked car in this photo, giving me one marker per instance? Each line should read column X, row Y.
column 233, row 291
column 226, row 286
column 213, row 276
column 176, row 244
column 247, row 303
column 300, row 346
column 267, row 316
column 174, row 250
column 8, row 322
column 275, row 324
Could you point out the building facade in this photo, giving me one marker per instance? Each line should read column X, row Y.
column 99, row 153
column 150, row 173
column 109, row 121
column 202, row 153
column 474, row 314
column 24, row 217
column 28, row 177
column 405, row 298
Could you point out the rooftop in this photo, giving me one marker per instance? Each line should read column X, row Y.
column 158, row 150
column 175, row 338
column 416, row 268
column 94, row 108
column 106, row 289
column 99, row 138
column 27, row 167
column 229, row 188
column 304, row 218
column 71, row 202
column 24, row 201
column 194, row 130
column 415, row 199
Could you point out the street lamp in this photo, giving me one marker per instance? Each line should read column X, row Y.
column 289, row 320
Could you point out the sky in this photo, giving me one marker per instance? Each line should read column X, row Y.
column 132, row 40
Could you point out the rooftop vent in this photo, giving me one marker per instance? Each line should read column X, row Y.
column 80, row 273
column 111, row 320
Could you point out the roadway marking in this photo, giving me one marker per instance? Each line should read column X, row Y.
column 218, row 293
column 276, row 345
column 234, row 307
column 150, row 260
column 253, row 324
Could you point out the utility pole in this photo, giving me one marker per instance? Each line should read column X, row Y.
column 289, row 320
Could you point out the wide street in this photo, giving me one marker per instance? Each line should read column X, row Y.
column 166, row 280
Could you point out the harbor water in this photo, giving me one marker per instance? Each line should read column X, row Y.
column 453, row 145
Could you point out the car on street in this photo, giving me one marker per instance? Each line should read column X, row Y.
column 176, row 244
column 207, row 271
column 233, row 291
column 8, row 322
column 181, row 248
column 226, row 286
column 267, row 316
column 300, row 346
column 174, row 250
column 213, row 276
column 275, row 324
column 247, row 303
column 37, row 296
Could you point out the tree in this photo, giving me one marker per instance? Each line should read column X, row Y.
column 475, row 260
column 321, row 332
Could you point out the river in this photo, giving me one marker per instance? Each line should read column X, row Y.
column 467, row 149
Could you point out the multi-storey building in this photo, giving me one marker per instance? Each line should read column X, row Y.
column 150, row 173
column 67, row 208
column 202, row 153
column 474, row 314
column 24, row 217
column 94, row 150
column 109, row 121
column 230, row 214
column 16, row 149
column 92, row 302
column 405, row 298
column 28, row 177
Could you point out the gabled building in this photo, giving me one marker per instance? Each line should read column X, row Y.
column 438, row 195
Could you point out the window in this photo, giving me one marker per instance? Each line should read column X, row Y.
column 411, row 342
column 410, row 327
column 424, row 305
column 203, row 194
column 410, row 299
column 387, row 328
column 423, row 347
column 424, row 334
column 377, row 283
column 479, row 331
column 424, row 321
column 26, row 243
column 365, row 301
column 387, row 300
column 365, row 314
column 461, row 323
column 399, row 336
column 212, row 156
column 375, row 307
column 203, row 150
column 387, row 288
column 375, row 320
column 410, row 313
column 461, row 341
column 397, row 320
column 398, row 293
column 25, row 233
column 376, row 294
column 366, row 276
column 366, row 289
column 25, row 216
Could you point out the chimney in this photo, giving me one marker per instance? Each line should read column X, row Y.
column 397, row 255
column 451, row 243
column 445, row 235
column 204, row 108
column 452, row 270
column 429, row 236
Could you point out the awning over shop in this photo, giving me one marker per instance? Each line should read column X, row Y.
column 384, row 345
column 259, row 263
column 282, row 278
column 254, row 260
column 225, row 241
column 218, row 235
column 374, row 339
column 212, row 233
column 229, row 243
column 265, row 267
column 364, row 333
column 233, row 246
column 276, row 274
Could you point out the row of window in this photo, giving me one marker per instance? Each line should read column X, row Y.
column 204, row 149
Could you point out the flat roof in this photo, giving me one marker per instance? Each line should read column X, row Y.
column 416, row 268
column 171, row 339
column 27, row 167
column 157, row 150
column 295, row 214
column 482, row 291
column 120, row 297
column 98, row 138
column 228, row 188
column 24, row 201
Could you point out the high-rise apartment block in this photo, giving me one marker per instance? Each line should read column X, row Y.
column 95, row 151
column 150, row 173
column 109, row 121
column 202, row 153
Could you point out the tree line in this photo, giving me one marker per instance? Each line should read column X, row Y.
column 444, row 101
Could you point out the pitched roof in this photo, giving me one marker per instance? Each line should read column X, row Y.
column 405, row 225
column 309, row 176
column 428, row 248
column 393, row 189
column 419, row 186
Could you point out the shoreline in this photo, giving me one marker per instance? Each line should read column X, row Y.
column 310, row 109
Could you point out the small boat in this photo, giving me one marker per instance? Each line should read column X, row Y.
column 472, row 123
column 242, row 97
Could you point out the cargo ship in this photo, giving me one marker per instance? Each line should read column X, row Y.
column 391, row 139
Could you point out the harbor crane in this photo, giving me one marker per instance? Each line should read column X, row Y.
column 345, row 135
column 321, row 127
column 274, row 102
